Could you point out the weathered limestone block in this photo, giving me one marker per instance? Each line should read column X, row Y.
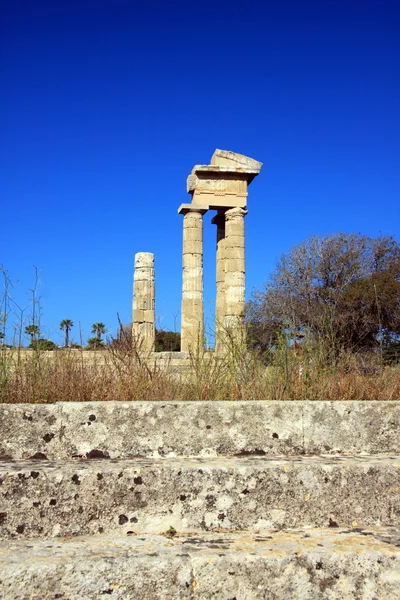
column 236, row 229
column 192, row 326
column 143, row 314
column 217, row 180
column 192, row 302
column 333, row 564
column 189, row 261
column 235, row 241
column 236, row 265
column 233, row 296
column 193, row 280
column 232, row 493
column 351, row 427
column 228, row 159
column 144, row 336
column 192, row 234
column 192, row 249
column 234, row 253
column 138, row 316
column 234, row 278
column 29, row 430
column 268, row 428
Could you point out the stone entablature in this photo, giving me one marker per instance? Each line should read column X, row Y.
column 223, row 183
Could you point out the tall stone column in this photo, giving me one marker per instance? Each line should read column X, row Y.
column 192, row 328
column 219, row 221
column 143, row 317
column 234, row 273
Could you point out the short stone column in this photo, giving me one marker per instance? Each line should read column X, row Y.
column 143, row 317
column 192, row 317
column 219, row 221
column 234, row 263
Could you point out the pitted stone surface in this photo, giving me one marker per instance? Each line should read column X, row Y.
column 126, row 429
column 27, row 430
column 39, row 498
column 308, row 565
column 187, row 428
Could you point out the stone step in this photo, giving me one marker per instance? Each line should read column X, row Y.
column 332, row 564
column 126, row 429
column 40, row 498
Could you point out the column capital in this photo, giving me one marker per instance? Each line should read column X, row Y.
column 232, row 213
column 184, row 209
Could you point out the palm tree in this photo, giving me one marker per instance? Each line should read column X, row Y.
column 66, row 324
column 33, row 331
column 98, row 329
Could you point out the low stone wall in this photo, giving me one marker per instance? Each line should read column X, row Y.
column 165, row 358
column 177, row 363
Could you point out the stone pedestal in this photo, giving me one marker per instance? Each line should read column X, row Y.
column 219, row 221
column 234, row 263
column 192, row 328
column 143, row 314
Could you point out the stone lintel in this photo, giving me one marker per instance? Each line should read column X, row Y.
column 218, row 169
column 186, row 208
column 200, row 173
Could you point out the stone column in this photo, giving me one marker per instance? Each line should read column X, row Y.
column 219, row 221
column 143, row 318
column 192, row 329
column 234, row 273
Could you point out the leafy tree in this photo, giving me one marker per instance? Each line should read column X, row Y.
column 344, row 287
column 66, row 324
column 33, row 331
column 98, row 329
column 167, row 341
column 43, row 345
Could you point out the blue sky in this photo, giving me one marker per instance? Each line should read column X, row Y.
column 107, row 105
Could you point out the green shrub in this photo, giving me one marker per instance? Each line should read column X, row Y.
column 43, row 345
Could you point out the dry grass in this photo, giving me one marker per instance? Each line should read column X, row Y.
column 120, row 373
